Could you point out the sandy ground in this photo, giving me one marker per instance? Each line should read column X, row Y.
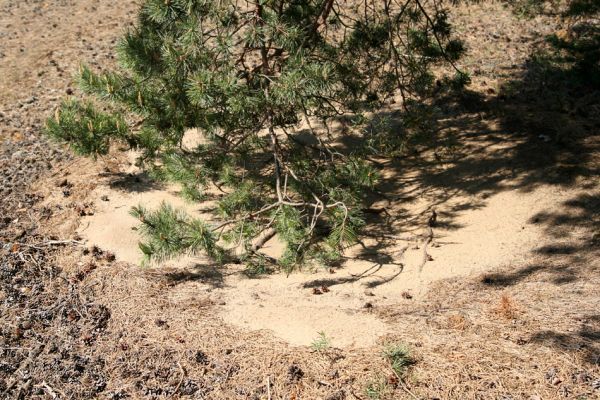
column 506, row 309
column 485, row 234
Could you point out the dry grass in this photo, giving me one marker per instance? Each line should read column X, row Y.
column 506, row 308
column 469, row 338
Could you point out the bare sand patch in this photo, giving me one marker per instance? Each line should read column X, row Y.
column 340, row 302
column 113, row 229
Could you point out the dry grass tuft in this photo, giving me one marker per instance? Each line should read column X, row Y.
column 506, row 308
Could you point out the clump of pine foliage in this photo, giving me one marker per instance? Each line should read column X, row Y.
column 273, row 86
column 580, row 47
column 576, row 46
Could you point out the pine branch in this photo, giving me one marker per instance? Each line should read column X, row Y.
column 241, row 73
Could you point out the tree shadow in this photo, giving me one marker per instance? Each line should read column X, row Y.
column 557, row 273
column 541, row 129
column 368, row 273
column 208, row 274
column 562, row 261
column 379, row 258
column 130, row 182
column 586, row 340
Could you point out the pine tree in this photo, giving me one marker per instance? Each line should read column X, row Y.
column 251, row 75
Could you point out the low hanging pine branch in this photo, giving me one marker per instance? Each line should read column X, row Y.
column 276, row 87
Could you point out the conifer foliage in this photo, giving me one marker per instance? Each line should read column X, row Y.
column 576, row 46
column 274, row 86
column 580, row 45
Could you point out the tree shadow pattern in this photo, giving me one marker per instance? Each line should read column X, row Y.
column 542, row 128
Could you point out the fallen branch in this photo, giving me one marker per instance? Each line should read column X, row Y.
column 428, row 238
column 404, row 387
column 263, row 240
column 180, row 380
column 391, row 237
column 52, row 243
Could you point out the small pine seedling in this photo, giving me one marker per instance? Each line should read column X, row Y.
column 321, row 343
column 377, row 389
column 399, row 357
